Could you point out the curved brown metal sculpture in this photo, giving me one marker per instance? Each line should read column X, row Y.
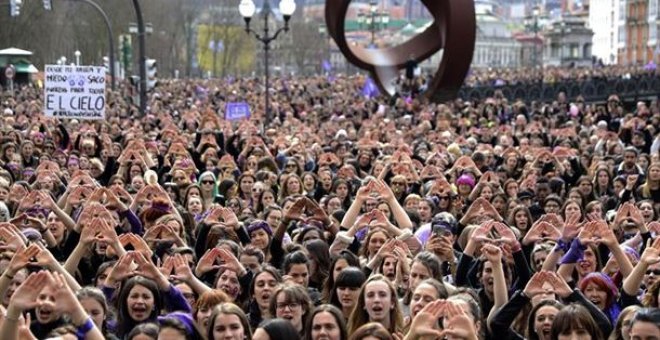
column 453, row 30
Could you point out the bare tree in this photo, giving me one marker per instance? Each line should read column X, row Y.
column 309, row 46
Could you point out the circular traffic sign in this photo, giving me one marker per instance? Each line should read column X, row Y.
column 10, row 71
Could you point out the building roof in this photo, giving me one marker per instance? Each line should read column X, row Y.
column 13, row 51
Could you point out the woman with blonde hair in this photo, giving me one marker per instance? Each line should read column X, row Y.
column 651, row 188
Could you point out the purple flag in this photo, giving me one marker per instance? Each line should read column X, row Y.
column 201, row 92
column 370, row 90
column 327, row 66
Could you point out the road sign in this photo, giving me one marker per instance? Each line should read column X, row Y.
column 10, row 72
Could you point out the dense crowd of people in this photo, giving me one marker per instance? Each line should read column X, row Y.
column 341, row 217
column 553, row 74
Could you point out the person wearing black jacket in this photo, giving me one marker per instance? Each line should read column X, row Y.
column 542, row 286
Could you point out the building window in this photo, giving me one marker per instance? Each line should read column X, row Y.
column 575, row 51
column 622, row 35
column 653, row 10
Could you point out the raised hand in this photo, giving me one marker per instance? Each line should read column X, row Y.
column 364, row 191
column 230, row 218
column 506, row 234
column 492, row 253
column 473, row 211
column 621, row 214
column 554, row 219
column 380, row 218
column 182, row 271
column 97, row 195
column 208, row 262
column 442, row 247
column 22, row 258
column 490, row 210
column 112, row 201
column 45, row 258
column 383, row 189
column 20, row 220
column 387, row 248
column 541, row 231
column 123, row 269
column 25, row 297
column 168, row 234
column 13, row 238
column 230, row 262
column 651, row 254
column 316, row 212
column 214, row 216
column 606, row 235
column 138, row 243
column 458, row 324
column 654, row 227
column 105, row 232
column 65, row 297
column 24, row 332
column 589, row 234
column 559, row 284
column 481, row 234
column 149, row 270
column 636, row 216
column 571, row 228
column 425, row 323
column 153, row 234
column 535, row 284
column 295, row 211
column 48, row 202
column 363, row 221
column 167, row 267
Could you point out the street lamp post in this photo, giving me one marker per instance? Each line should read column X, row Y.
column 77, row 54
column 535, row 28
column 323, row 31
column 141, row 57
column 374, row 19
column 247, row 9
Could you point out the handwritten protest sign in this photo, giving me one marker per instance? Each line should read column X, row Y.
column 237, row 111
column 74, row 92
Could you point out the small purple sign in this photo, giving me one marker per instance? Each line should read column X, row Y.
column 237, row 111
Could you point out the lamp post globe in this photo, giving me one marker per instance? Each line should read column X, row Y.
column 246, row 8
column 287, row 7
